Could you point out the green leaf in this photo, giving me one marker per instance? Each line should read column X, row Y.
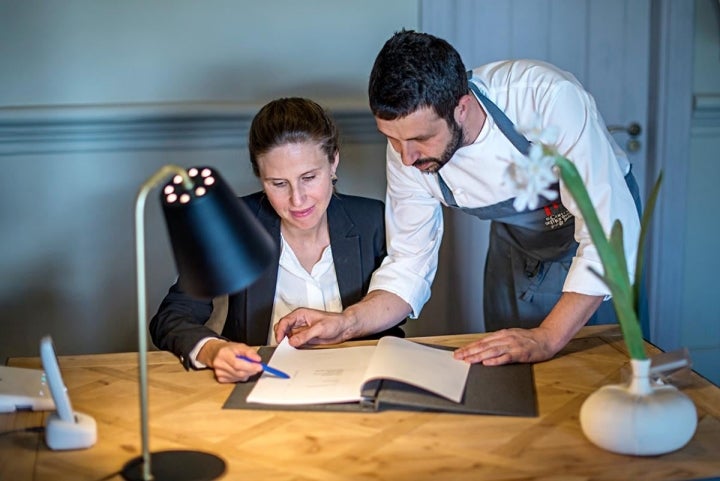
column 618, row 246
column 612, row 256
column 644, row 226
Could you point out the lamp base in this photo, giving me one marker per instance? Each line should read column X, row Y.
column 176, row 466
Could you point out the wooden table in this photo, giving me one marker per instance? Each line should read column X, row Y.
column 185, row 413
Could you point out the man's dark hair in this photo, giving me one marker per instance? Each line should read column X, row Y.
column 416, row 70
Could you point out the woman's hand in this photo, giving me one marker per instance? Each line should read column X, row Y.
column 222, row 357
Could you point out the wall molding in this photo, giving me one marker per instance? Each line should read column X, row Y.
column 707, row 103
column 706, row 115
column 162, row 126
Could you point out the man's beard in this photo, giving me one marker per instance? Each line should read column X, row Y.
column 432, row 164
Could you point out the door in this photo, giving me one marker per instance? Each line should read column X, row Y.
column 604, row 43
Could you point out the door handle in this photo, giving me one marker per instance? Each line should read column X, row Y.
column 633, row 130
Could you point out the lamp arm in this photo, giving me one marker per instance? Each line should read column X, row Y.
column 163, row 173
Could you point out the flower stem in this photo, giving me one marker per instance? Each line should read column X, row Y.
column 616, row 274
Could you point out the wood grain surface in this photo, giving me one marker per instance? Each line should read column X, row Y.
column 185, row 413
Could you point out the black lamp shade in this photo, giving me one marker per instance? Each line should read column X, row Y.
column 219, row 246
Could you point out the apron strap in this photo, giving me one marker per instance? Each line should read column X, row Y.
column 504, row 124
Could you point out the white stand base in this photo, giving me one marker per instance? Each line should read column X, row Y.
column 60, row 434
column 640, row 419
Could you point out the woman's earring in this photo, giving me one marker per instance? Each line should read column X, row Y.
column 333, row 179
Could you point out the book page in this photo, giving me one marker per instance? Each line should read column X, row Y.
column 336, row 375
column 432, row 369
column 332, row 375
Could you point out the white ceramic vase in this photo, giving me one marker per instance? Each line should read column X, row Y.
column 640, row 418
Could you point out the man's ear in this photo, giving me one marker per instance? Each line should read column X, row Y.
column 463, row 108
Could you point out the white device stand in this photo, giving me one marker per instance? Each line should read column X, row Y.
column 77, row 434
column 64, row 428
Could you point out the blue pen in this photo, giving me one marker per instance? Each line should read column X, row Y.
column 271, row 370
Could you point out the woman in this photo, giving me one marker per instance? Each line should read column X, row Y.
column 328, row 245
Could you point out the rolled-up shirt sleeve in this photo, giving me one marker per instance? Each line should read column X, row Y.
column 414, row 227
column 603, row 166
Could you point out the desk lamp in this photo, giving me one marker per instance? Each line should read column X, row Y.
column 219, row 248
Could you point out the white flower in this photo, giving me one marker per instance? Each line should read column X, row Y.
column 536, row 134
column 531, row 176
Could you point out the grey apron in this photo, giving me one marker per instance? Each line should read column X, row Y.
column 530, row 252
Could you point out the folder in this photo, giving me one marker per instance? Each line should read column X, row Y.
column 507, row 390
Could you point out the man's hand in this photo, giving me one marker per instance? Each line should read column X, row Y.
column 566, row 318
column 310, row 326
column 508, row 346
column 377, row 311
column 221, row 357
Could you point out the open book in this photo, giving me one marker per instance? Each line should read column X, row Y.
column 341, row 375
column 394, row 374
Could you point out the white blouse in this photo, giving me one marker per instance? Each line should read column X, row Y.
column 296, row 288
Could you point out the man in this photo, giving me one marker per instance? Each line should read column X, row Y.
column 450, row 142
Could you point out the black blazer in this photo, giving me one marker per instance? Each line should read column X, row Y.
column 357, row 238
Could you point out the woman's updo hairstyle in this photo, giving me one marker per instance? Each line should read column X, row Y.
column 291, row 120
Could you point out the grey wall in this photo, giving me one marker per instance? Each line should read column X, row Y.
column 85, row 52
column 700, row 330
column 95, row 96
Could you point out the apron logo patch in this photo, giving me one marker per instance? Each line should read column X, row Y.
column 556, row 215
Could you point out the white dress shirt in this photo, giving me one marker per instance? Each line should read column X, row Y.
column 295, row 288
column 522, row 89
